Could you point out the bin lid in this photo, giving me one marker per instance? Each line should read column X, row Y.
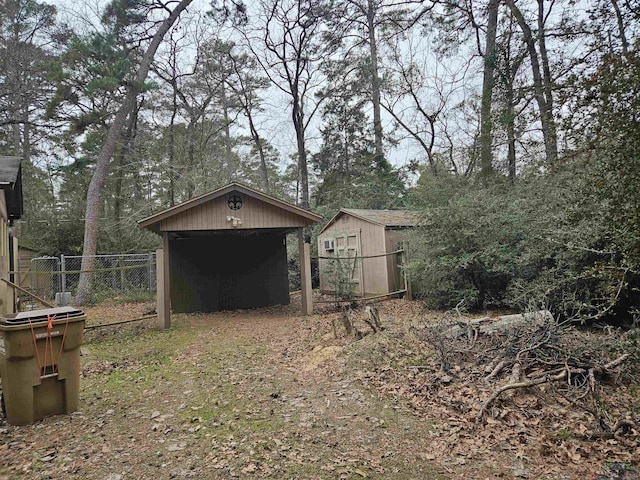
column 34, row 316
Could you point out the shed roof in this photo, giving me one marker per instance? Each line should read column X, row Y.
column 306, row 217
column 9, row 170
column 384, row 218
column 11, row 182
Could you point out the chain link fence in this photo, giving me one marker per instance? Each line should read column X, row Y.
column 130, row 277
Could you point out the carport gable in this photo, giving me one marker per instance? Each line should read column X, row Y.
column 233, row 207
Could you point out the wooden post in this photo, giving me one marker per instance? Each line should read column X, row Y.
column 305, row 273
column 4, row 290
column 405, row 274
column 163, row 285
column 15, row 278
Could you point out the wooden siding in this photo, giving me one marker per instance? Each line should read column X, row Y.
column 372, row 242
column 226, row 272
column 213, row 216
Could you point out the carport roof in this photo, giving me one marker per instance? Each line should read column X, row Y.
column 306, row 217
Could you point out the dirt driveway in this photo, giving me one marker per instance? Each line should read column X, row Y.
column 271, row 394
column 252, row 394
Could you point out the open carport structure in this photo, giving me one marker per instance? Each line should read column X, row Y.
column 226, row 250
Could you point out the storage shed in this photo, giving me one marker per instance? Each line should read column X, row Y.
column 367, row 240
column 227, row 250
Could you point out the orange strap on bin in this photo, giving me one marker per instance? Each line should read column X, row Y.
column 64, row 335
column 35, row 345
column 50, row 319
column 48, row 346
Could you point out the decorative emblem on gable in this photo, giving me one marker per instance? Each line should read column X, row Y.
column 234, row 202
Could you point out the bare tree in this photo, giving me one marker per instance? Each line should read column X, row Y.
column 245, row 85
column 490, row 56
column 419, row 92
column 541, row 73
column 511, row 53
column 206, row 97
column 168, row 70
column 367, row 25
column 289, row 50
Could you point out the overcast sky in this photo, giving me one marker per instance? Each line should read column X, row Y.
column 275, row 122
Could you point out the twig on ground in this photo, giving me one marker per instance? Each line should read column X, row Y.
column 616, row 362
column 496, row 370
column 563, row 373
column 538, row 381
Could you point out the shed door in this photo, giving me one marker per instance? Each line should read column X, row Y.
column 348, row 246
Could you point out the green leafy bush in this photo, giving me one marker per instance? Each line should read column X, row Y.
column 541, row 242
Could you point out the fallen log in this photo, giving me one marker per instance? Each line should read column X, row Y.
column 489, row 326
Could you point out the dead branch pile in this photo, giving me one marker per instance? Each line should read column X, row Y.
column 544, row 399
column 524, row 354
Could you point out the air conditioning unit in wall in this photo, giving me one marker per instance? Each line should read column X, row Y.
column 329, row 245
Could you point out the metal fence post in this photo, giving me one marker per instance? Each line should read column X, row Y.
column 150, row 262
column 63, row 275
column 407, row 280
column 55, row 276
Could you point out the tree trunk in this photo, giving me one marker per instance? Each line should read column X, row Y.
column 546, row 117
column 511, row 67
column 26, row 139
column 621, row 29
column 117, row 194
column 486, row 123
column 172, row 145
column 190, row 186
column 511, row 136
column 375, row 84
column 264, row 172
column 121, row 162
column 346, row 142
column 228, row 151
column 548, row 84
column 106, row 153
column 297, row 114
column 302, row 158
